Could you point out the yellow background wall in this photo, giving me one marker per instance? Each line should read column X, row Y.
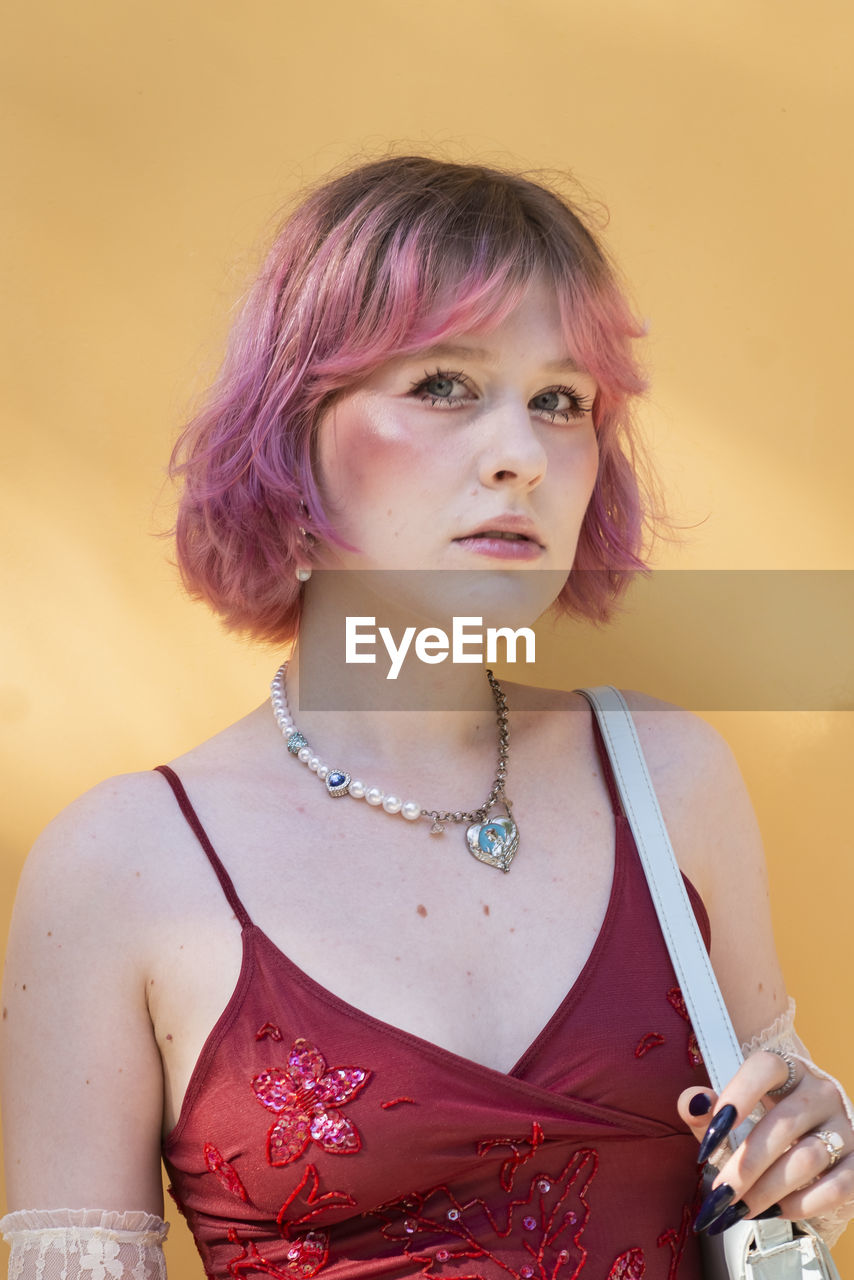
column 147, row 146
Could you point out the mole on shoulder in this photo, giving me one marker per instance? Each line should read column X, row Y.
column 485, row 909
column 421, row 909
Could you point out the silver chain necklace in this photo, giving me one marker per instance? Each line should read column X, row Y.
column 491, row 839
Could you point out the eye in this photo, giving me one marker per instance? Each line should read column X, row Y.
column 438, row 388
column 562, row 403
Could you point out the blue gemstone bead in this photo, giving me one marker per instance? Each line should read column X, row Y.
column 335, row 779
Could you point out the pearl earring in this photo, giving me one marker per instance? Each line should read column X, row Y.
column 303, row 575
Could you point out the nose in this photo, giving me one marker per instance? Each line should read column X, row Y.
column 512, row 452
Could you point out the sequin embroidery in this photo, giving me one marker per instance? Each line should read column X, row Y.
column 306, row 1096
column 304, row 1259
column 630, row 1265
column 269, row 1029
column 225, row 1171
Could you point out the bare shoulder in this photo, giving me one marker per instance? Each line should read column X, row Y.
column 702, row 794
column 678, row 743
column 95, row 851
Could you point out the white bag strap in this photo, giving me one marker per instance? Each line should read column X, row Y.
column 717, row 1039
column 709, row 1017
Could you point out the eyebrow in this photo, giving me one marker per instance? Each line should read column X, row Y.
column 443, row 350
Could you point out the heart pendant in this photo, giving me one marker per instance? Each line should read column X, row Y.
column 494, row 842
column 337, row 782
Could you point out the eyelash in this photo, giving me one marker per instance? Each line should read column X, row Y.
column 580, row 408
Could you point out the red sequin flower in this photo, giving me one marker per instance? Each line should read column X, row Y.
column 306, row 1096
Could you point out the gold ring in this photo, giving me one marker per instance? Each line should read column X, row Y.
column 833, row 1142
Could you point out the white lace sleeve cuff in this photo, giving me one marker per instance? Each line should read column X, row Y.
column 84, row 1244
column 782, row 1035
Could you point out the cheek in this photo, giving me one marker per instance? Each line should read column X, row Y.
column 365, row 453
column 580, row 466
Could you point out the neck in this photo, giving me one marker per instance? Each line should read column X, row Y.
column 430, row 734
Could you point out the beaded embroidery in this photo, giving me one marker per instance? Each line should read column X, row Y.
column 677, row 1001
column 306, row 1190
column 550, row 1212
column 225, row 1171
column 395, row 1102
column 305, row 1096
column 305, row 1258
column 677, row 1237
column 651, row 1040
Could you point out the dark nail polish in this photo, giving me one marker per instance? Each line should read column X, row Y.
column 733, row 1214
column 700, row 1104
column 773, row 1211
column 720, row 1126
column 713, row 1206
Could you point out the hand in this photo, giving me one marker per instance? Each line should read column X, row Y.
column 782, row 1169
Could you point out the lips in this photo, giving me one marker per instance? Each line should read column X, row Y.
column 506, row 528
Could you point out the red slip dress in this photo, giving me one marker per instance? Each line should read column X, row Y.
column 315, row 1139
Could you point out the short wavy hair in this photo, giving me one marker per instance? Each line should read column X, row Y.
column 382, row 260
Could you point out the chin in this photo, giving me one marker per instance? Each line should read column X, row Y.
column 501, row 597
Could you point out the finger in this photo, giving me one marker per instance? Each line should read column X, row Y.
column 757, row 1079
column 808, row 1172
column 794, row 1144
column 780, row 1154
column 696, row 1107
column 825, row 1195
column 751, row 1085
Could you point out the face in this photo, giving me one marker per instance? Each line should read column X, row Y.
column 479, row 454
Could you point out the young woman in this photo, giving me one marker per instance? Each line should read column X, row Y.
column 360, row 1050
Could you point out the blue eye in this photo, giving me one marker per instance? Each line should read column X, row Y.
column 574, row 406
column 556, row 404
column 438, row 388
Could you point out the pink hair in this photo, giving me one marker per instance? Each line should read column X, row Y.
column 388, row 258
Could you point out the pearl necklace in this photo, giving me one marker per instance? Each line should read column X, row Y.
column 493, row 841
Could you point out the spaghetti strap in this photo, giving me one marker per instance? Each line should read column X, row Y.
column 201, row 835
column 607, row 768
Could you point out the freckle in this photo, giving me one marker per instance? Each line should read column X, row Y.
column 137, row 875
column 5, row 1014
column 485, row 909
column 512, row 930
column 421, row 909
column 169, row 1036
column 49, row 934
column 762, row 986
column 181, row 948
column 87, row 1081
column 24, row 987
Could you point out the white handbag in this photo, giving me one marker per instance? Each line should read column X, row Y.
column 770, row 1250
